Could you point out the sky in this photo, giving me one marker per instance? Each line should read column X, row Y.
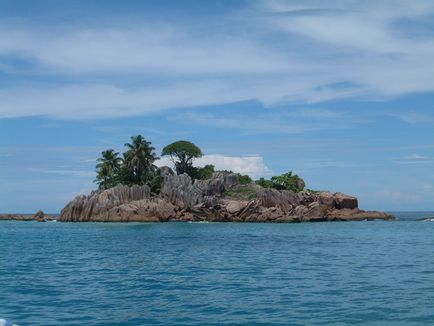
column 340, row 92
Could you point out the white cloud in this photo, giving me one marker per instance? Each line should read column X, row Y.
column 297, row 121
column 414, row 159
column 254, row 166
column 399, row 197
column 307, row 51
column 105, row 101
column 89, row 160
column 413, row 117
column 152, row 49
column 363, row 26
column 75, row 173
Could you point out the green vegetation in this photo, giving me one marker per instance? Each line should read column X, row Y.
column 204, row 173
column 244, row 179
column 108, row 168
column 286, row 181
column 182, row 153
column 265, row 183
column 136, row 167
column 313, row 191
column 242, row 191
column 138, row 161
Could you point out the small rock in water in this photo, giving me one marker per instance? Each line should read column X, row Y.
column 39, row 216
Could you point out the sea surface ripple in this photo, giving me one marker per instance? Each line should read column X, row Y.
column 375, row 273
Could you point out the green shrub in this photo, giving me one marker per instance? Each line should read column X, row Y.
column 286, row 181
column 265, row 183
column 204, row 173
column 241, row 191
column 313, row 191
column 244, row 179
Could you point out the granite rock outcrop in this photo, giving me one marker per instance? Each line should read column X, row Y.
column 219, row 199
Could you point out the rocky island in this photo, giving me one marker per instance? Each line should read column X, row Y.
column 131, row 188
column 39, row 216
column 222, row 198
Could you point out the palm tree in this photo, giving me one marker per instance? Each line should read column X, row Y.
column 108, row 167
column 139, row 159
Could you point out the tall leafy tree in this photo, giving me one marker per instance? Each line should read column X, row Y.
column 182, row 153
column 107, row 168
column 139, row 161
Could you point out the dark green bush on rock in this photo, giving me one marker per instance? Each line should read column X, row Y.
column 204, row 173
column 286, row 181
column 244, row 179
column 265, row 183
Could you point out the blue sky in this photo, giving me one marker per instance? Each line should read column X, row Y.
column 341, row 92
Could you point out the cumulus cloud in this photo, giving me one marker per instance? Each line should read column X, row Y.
column 254, row 166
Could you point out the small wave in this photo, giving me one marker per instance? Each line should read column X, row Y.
column 429, row 219
column 4, row 322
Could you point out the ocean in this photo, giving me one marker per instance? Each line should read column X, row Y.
column 336, row 273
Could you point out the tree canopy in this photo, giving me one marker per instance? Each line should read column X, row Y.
column 139, row 160
column 136, row 166
column 107, row 168
column 182, row 153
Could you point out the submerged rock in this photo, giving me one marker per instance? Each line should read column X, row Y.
column 219, row 199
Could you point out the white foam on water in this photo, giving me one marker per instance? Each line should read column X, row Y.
column 4, row 322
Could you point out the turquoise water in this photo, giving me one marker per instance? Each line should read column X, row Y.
column 376, row 273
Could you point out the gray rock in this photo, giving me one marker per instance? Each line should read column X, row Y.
column 165, row 170
column 301, row 184
column 284, row 199
column 85, row 208
column 327, row 199
column 182, row 199
column 345, row 201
